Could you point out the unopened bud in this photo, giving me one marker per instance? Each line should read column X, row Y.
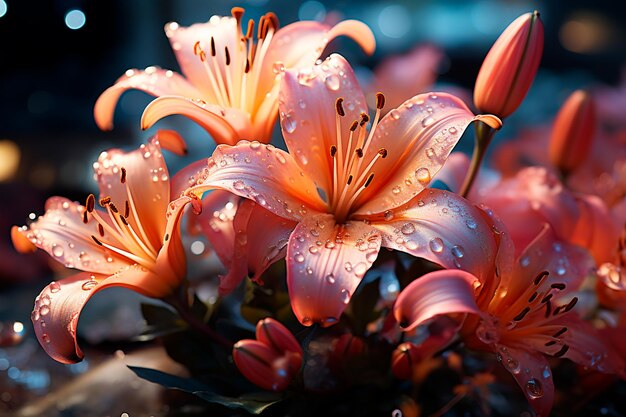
column 404, row 359
column 275, row 335
column 573, row 132
column 510, row 67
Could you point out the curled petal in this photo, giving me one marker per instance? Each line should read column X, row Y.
column 424, row 129
column 184, row 178
column 171, row 264
column 225, row 125
column 154, row 81
column 275, row 335
column 172, row 141
column 325, row 264
column 20, row 242
column 308, row 115
column 262, row 173
column 596, row 229
column 58, row 307
column 442, row 227
column 536, row 378
column 437, row 293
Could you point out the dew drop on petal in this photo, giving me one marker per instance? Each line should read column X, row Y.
column 395, row 190
column 330, row 278
column 388, row 215
column 395, row 115
column 298, row 257
column 534, row 389
column 371, row 256
column 313, row 249
column 238, row 185
column 348, row 267
column 430, row 152
column 436, row 245
column 360, row 269
column 423, row 175
column 457, row 251
column 57, row 250
column 471, row 223
column 288, row 123
column 332, row 82
column 45, row 337
column 546, row 372
column 55, row 287
column 89, row 285
column 345, row 296
column 407, row 228
column 452, row 130
column 427, row 121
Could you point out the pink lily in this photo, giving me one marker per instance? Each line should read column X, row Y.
column 134, row 243
column 525, row 318
column 230, row 80
column 345, row 192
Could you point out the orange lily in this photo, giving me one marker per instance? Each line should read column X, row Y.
column 341, row 192
column 230, row 82
column 134, row 243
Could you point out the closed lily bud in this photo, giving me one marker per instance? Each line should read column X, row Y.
column 344, row 348
column 573, row 132
column 403, row 360
column 263, row 366
column 510, row 67
column 275, row 335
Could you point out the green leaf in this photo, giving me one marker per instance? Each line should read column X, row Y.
column 160, row 321
column 254, row 403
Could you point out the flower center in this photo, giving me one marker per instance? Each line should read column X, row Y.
column 352, row 171
column 234, row 75
column 121, row 233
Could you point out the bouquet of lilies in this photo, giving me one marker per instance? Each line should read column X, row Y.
column 488, row 278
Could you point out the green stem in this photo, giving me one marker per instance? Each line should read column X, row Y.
column 484, row 134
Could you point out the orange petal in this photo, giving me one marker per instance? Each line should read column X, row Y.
column 172, row 141
column 20, row 242
column 262, row 366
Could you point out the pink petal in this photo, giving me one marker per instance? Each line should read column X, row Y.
column 308, row 114
column 262, row 173
column 184, row 178
column 172, row 141
column 171, row 264
column 262, row 366
column 532, row 373
column 154, row 81
column 442, row 227
column 62, row 233
column 225, row 125
column 146, row 186
column 418, row 137
column 596, row 229
column 444, row 292
column 325, row 263
column 58, row 307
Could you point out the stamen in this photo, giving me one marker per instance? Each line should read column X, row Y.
column 380, row 100
column 559, row 286
column 167, row 237
column 369, row 180
column 532, row 297
column 113, row 208
column 250, row 32
column 333, row 151
column 364, row 119
column 227, row 55
column 123, row 176
column 90, row 203
column 570, row 305
column 213, row 52
column 104, row 201
column 85, row 219
column 382, row 152
column 522, row 314
column 101, row 230
column 339, row 107
column 96, row 240
column 237, row 12
column 350, row 179
column 354, row 125
column 124, row 220
column 359, row 152
column 126, row 209
column 247, row 66
column 548, row 308
column 550, row 343
column 540, row 277
column 560, row 332
column 562, row 352
column 546, row 298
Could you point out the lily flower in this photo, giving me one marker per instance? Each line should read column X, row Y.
column 230, row 79
column 132, row 242
column 345, row 192
column 525, row 318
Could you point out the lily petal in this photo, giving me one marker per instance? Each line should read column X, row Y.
column 172, row 141
column 58, row 307
column 262, row 173
column 325, row 263
column 596, row 229
column 431, row 125
column 445, row 292
column 536, row 379
column 308, row 114
column 153, row 80
column 442, row 227
column 225, row 125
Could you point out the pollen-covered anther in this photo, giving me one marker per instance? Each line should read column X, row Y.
column 213, row 51
column 359, row 152
column 126, row 209
column 95, row 239
column 380, row 100
column 90, row 203
column 113, row 208
column 369, row 180
column 85, row 218
column 227, row 55
column 522, row 314
column 354, row 125
column 382, row 152
column 104, row 201
column 123, row 176
column 339, row 107
column 364, row 119
column 101, row 230
column 562, row 351
column 540, row 277
column 333, row 151
column 237, row 13
column 558, row 286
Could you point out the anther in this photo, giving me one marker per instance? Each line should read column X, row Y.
column 104, row 201
column 124, row 220
column 250, row 32
column 213, row 53
column 272, row 20
column 570, row 305
column 380, row 100
column 350, row 179
column 100, row 230
column 90, row 203
column 354, row 125
column 95, row 239
column 548, row 308
column 85, row 219
column 562, row 352
column 550, row 343
column 540, row 277
column 167, row 237
column 369, row 180
column 237, row 12
column 359, row 152
column 560, row 332
column 532, row 297
column 227, row 55
column 559, row 286
column 126, row 209
column 123, row 176
column 197, row 48
column 382, row 152
column 113, row 208
column 333, row 151
column 546, row 298
column 364, row 119
column 339, row 107
column 521, row 314
column 247, row 66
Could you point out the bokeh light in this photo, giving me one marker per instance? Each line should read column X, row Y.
column 75, row 19
column 394, row 21
column 3, row 8
column 312, row 10
column 9, row 159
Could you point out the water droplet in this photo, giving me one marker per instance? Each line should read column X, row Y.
column 44, row 310
column 430, row 152
column 332, row 82
column 427, row 121
column 309, row 270
column 55, row 287
column 280, row 158
column 238, row 185
column 395, row 190
column 411, row 245
column 546, row 372
column 471, row 224
column 65, row 205
column 345, row 296
column 254, row 145
column 298, row 257
column 457, row 251
column 57, row 250
column 487, row 333
column 524, row 261
column 423, row 175
column 89, row 285
column 306, row 321
column 330, row 278
column 288, row 123
column 395, row 115
column 45, row 337
column 360, row 269
column 534, row 389
column 305, row 76
column 329, row 244
column 371, row 256
column 278, row 67
column 452, row 130
column 388, row 215
column 436, row 245
column 302, row 104
column 407, row 228
column 348, row 267
column 512, row 364
column 313, row 249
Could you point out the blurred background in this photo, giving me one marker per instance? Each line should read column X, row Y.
column 57, row 56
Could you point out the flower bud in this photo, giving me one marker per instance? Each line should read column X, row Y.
column 346, row 347
column 510, row 67
column 573, row 131
column 403, row 360
column 275, row 335
column 263, row 366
